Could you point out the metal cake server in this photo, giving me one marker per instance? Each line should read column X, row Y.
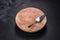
column 38, row 20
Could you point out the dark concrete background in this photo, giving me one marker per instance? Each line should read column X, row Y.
column 8, row 29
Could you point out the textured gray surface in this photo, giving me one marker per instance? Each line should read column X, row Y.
column 8, row 29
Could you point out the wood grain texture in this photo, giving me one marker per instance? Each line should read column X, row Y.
column 27, row 16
